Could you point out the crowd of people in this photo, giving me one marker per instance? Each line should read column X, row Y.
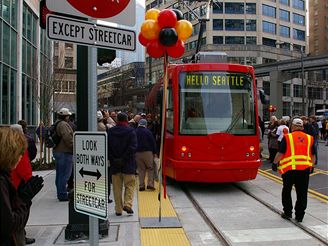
column 131, row 150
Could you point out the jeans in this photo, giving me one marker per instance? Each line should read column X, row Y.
column 64, row 164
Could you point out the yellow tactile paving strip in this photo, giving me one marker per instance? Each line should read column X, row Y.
column 149, row 208
column 149, row 204
column 163, row 237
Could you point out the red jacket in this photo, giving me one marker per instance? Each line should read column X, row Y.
column 23, row 171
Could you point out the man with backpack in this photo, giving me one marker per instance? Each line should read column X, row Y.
column 63, row 153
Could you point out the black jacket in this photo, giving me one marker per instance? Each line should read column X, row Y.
column 122, row 144
column 146, row 140
column 13, row 211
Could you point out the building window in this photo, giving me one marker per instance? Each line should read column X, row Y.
column 268, row 11
column 250, row 60
column 234, row 8
column 250, row 25
column 251, row 40
column 299, row 4
column 315, row 93
column 286, row 108
column 299, row 19
column 251, row 8
column 68, row 62
column 298, row 109
column 234, row 40
column 269, row 27
column 234, row 25
column 286, row 90
column 297, row 91
column 269, row 42
column 217, row 24
column 217, row 40
column 298, row 34
column 217, row 7
column 284, row 15
column 286, row 2
column 284, row 31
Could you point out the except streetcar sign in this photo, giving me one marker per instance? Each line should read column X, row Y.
column 82, row 32
column 90, row 167
column 122, row 12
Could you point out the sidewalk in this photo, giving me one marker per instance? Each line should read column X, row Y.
column 49, row 217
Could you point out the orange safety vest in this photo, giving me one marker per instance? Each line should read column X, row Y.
column 298, row 152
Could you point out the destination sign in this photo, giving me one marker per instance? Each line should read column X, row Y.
column 213, row 80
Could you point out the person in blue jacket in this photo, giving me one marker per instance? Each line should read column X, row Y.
column 122, row 145
column 146, row 152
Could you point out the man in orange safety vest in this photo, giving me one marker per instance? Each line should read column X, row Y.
column 295, row 157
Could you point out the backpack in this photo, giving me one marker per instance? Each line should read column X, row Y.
column 51, row 139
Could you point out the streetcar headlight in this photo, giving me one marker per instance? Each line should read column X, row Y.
column 251, row 148
column 183, row 148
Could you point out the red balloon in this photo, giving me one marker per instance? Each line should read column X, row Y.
column 176, row 50
column 155, row 49
column 143, row 40
column 167, row 18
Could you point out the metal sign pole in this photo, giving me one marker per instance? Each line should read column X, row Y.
column 161, row 153
column 92, row 126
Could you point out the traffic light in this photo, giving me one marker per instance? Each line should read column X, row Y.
column 44, row 11
column 105, row 56
column 272, row 108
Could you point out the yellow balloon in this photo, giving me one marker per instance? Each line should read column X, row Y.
column 184, row 29
column 152, row 14
column 150, row 29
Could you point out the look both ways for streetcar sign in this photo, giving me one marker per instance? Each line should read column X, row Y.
column 82, row 32
column 90, row 167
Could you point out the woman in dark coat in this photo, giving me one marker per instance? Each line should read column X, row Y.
column 14, row 211
column 14, row 204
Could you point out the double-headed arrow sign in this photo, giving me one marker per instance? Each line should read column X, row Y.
column 95, row 174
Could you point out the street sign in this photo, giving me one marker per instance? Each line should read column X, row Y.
column 122, row 12
column 85, row 33
column 90, row 167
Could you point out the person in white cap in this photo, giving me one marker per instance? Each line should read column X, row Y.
column 63, row 153
column 146, row 151
column 294, row 161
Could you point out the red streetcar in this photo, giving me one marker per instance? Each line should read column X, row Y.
column 212, row 132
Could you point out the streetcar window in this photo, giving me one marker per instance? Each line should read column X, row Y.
column 213, row 102
column 169, row 110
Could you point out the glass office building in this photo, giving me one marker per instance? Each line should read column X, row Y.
column 23, row 47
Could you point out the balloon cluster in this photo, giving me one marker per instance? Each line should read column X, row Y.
column 164, row 31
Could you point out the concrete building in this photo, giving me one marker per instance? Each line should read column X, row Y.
column 23, row 48
column 250, row 32
column 318, row 41
column 65, row 76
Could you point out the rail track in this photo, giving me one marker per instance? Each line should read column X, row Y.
column 220, row 235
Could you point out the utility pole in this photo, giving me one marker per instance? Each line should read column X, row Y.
column 303, row 89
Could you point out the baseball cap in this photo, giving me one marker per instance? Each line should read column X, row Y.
column 142, row 123
column 64, row 111
column 297, row 122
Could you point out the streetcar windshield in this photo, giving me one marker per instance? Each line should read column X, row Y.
column 214, row 102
